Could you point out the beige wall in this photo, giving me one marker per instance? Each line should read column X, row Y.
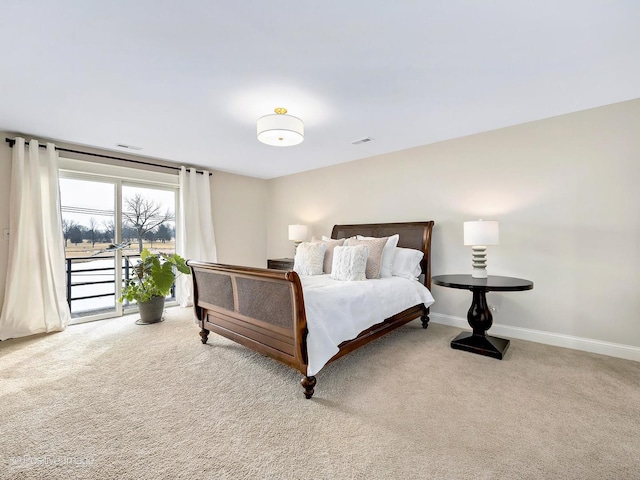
column 239, row 219
column 565, row 191
column 239, row 204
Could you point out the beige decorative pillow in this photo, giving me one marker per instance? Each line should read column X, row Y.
column 374, row 261
column 309, row 258
column 328, row 256
column 387, row 253
column 350, row 263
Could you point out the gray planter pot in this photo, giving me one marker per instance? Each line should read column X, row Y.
column 151, row 311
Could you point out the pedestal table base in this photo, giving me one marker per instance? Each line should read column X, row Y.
column 481, row 344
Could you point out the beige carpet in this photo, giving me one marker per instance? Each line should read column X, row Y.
column 112, row 400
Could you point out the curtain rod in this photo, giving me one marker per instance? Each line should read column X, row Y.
column 12, row 141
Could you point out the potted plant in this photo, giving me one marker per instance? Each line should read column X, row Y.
column 152, row 279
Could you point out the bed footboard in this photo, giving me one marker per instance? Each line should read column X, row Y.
column 259, row 308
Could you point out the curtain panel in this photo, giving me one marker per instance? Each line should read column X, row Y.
column 196, row 237
column 35, row 297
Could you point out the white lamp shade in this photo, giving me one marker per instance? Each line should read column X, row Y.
column 481, row 232
column 298, row 233
column 280, row 130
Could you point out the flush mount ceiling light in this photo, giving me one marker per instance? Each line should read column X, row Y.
column 280, row 130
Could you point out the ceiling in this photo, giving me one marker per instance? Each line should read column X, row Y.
column 187, row 80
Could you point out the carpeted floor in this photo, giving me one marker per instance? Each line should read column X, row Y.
column 114, row 400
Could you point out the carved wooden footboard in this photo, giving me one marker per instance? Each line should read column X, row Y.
column 264, row 309
column 259, row 308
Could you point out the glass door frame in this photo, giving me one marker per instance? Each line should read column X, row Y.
column 118, row 234
column 119, row 177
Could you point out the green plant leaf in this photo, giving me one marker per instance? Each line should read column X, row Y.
column 178, row 262
column 163, row 277
column 154, row 276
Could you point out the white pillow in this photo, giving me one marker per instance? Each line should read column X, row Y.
column 350, row 263
column 309, row 258
column 388, row 252
column 406, row 263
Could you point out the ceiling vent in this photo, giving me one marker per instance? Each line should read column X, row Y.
column 130, row 147
column 362, row 140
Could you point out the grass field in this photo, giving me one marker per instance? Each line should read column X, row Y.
column 85, row 249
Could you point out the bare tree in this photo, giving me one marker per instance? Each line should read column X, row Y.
column 109, row 231
column 93, row 231
column 67, row 225
column 143, row 215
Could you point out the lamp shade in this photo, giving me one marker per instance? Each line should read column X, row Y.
column 280, row 129
column 298, row 233
column 481, row 232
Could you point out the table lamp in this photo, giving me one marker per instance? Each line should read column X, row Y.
column 478, row 234
column 298, row 234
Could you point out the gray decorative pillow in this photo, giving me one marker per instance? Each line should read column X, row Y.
column 309, row 258
column 350, row 263
column 374, row 261
column 328, row 256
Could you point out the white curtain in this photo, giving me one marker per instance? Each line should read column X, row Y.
column 34, row 299
column 196, row 239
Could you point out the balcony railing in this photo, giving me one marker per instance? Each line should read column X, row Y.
column 90, row 277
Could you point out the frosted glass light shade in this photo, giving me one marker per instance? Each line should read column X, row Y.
column 280, row 130
column 298, row 233
column 481, row 232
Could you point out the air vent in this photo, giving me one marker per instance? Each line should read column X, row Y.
column 130, row 147
column 362, row 140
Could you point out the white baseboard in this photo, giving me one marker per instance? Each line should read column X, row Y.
column 628, row 352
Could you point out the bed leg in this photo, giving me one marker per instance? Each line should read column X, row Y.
column 204, row 334
column 308, row 383
column 425, row 319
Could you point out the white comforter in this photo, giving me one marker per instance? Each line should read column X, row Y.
column 338, row 311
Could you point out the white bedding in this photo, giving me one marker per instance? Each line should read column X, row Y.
column 338, row 311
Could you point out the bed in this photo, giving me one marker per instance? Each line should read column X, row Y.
column 264, row 309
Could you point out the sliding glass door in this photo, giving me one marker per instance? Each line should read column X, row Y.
column 148, row 222
column 98, row 212
column 89, row 226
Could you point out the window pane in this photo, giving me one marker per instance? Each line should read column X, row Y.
column 88, row 227
column 148, row 221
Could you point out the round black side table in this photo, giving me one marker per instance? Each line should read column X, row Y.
column 479, row 316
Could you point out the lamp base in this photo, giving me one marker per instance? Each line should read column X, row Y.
column 479, row 261
column 479, row 273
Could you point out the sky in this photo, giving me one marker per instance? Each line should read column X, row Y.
column 82, row 199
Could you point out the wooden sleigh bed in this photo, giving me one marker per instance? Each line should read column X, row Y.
column 264, row 309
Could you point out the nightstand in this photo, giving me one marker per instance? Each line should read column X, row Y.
column 280, row 263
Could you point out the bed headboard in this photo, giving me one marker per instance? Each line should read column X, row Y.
column 415, row 235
